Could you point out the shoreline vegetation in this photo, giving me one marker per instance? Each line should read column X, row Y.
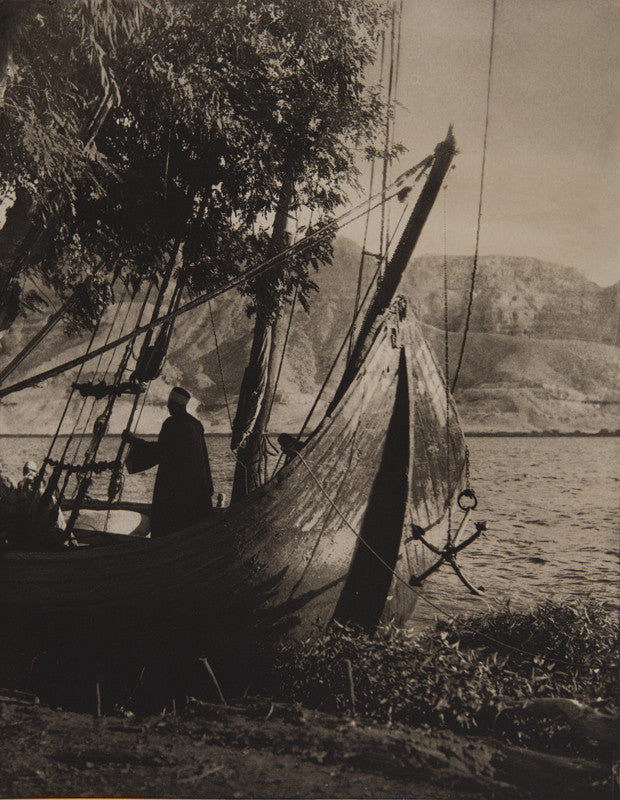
column 495, row 705
column 542, row 434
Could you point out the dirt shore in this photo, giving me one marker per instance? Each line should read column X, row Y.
column 260, row 749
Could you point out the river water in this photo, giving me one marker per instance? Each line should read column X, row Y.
column 552, row 508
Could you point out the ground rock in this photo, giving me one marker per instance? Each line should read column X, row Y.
column 260, row 749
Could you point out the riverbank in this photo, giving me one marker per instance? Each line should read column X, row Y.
column 505, row 705
column 264, row 749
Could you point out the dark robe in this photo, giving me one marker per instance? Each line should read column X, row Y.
column 183, row 487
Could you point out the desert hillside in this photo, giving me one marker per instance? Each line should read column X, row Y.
column 542, row 352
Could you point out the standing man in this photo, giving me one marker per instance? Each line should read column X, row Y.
column 183, row 487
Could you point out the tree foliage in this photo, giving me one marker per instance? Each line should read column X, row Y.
column 222, row 103
column 57, row 82
column 57, row 62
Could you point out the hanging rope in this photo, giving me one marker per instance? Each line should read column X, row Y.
column 360, row 271
column 484, row 159
column 288, row 331
column 348, row 333
column 446, row 356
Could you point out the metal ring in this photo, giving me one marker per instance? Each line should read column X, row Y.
column 467, row 493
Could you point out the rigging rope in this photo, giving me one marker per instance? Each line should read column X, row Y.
column 398, row 42
column 70, row 397
column 109, row 364
column 250, row 274
column 96, row 436
column 220, row 367
column 334, row 363
column 148, row 387
column 116, row 482
column 396, row 58
column 98, row 431
column 484, row 159
column 72, row 435
column 100, row 428
column 48, row 326
column 288, row 330
column 349, row 333
column 44, row 464
column 274, row 388
column 360, row 272
column 446, row 356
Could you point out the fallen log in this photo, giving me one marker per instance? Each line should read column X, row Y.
column 583, row 720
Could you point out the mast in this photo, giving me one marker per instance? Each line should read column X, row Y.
column 386, row 290
column 383, row 233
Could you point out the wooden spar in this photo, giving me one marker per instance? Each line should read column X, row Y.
column 75, row 362
column 444, row 153
column 52, row 320
column 94, row 504
column 34, row 342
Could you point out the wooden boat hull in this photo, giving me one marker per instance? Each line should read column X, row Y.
column 325, row 538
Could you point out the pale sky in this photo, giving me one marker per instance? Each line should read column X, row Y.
column 552, row 183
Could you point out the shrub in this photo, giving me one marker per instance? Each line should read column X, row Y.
column 466, row 675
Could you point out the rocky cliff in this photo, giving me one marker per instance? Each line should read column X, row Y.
column 542, row 351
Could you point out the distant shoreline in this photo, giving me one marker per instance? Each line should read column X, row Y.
column 539, row 434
